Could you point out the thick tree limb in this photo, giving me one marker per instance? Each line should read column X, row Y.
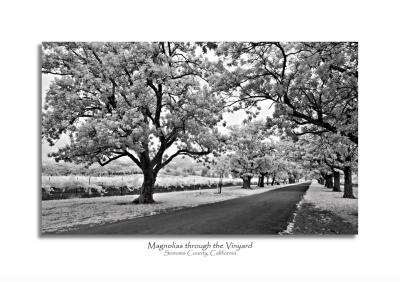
column 134, row 159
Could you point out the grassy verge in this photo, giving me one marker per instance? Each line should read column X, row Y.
column 313, row 220
column 325, row 212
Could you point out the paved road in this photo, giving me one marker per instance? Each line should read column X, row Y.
column 265, row 213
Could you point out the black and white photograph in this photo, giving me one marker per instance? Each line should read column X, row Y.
column 199, row 138
column 194, row 141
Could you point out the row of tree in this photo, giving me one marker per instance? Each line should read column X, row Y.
column 141, row 100
column 329, row 155
column 314, row 87
column 249, row 152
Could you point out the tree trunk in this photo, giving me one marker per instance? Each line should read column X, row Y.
column 146, row 191
column 267, row 179
column 326, row 181
column 246, row 182
column 336, row 181
column 220, row 183
column 273, row 180
column 261, row 180
column 348, row 183
column 329, row 181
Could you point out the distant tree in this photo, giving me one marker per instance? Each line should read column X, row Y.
column 284, row 161
column 131, row 100
column 189, row 170
column 221, row 166
column 247, row 147
column 265, row 165
column 279, row 171
column 204, row 171
column 177, row 172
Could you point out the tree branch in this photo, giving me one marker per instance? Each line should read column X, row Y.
column 182, row 152
column 134, row 159
column 111, row 159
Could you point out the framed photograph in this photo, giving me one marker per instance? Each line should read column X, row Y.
column 191, row 138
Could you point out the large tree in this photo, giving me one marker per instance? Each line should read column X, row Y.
column 149, row 102
column 313, row 85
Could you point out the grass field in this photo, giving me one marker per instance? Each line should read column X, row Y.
column 134, row 180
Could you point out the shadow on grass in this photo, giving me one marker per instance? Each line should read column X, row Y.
column 311, row 220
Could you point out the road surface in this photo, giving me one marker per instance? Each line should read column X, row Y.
column 264, row 213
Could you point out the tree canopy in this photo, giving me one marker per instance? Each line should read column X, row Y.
column 153, row 101
column 131, row 100
column 313, row 85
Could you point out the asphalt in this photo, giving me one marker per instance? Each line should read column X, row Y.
column 264, row 213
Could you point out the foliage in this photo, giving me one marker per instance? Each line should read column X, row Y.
column 132, row 100
column 152, row 102
column 314, row 85
column 222, row 166
column 247, row 147
column 128, row 99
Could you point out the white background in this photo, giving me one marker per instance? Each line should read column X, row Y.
column 24, row 24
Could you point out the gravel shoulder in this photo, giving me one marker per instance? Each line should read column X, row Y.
column 64, row 215
column 323, row 211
